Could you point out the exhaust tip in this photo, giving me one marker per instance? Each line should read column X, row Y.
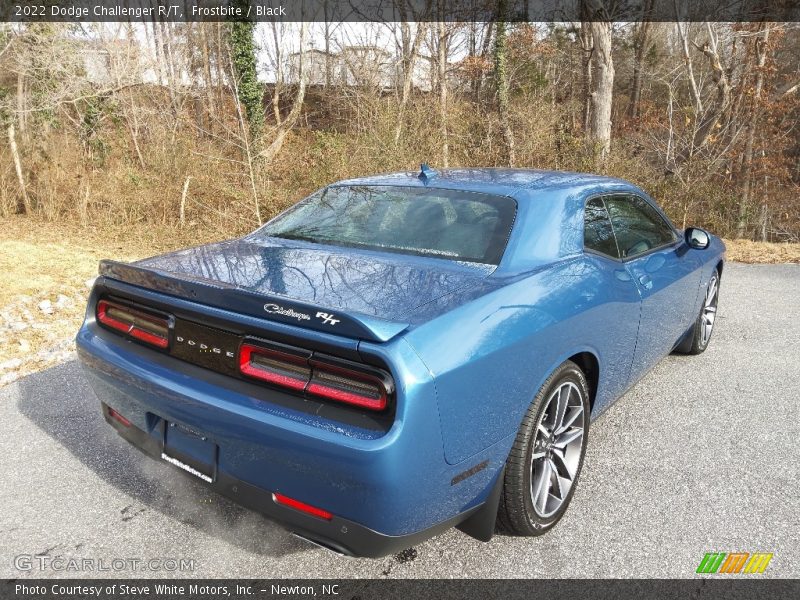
column 322, row 545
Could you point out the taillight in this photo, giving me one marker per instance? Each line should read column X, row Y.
column 318, row 377
column 301, row 506
column 349, row 386
column 147, row 328
column 274, row 366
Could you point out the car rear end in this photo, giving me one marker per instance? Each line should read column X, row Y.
column 337, row 439
column 274, row 368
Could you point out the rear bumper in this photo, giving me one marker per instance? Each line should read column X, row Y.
column 387, row 490
column 339, row 534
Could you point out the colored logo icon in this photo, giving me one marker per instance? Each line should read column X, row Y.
column 734, row 562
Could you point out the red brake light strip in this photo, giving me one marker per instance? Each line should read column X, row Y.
column 132, row 329
column 297, row 373
column 248, row 367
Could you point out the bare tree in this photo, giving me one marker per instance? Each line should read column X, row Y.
column 708, row 113
column 603, row 93
column 641, row 45
column 249, row 156
column 441, row 64
column 501, row 79
column 761, row 42
column 587, row 49
column 409, row 50
column 25, row 206
column 282, row 128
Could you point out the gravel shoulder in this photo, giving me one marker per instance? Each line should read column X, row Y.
column 47, row 271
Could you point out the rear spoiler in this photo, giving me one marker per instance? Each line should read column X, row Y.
column 269, row 308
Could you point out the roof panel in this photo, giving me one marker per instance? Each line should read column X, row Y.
column 496, row 180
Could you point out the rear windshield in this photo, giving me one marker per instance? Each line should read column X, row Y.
column 449, row 224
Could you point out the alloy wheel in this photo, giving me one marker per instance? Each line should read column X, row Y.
column 557, row 448
column 709, row 310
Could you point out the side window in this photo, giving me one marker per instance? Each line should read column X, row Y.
column 597, row 232
column 638, row 227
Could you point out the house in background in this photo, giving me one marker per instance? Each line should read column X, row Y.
column 316, row 64
column 355, row 66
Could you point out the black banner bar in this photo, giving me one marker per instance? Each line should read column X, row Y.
column 731, row 588
column 391, row 10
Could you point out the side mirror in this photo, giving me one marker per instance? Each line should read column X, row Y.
column 697, row 238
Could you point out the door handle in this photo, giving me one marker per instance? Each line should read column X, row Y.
column 646, row 281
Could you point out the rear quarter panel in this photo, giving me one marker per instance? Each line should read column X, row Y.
column 490, row 356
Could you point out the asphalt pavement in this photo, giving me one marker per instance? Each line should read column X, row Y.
column 702, row 455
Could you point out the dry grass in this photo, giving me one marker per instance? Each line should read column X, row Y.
column 747, row 251
column 47, row 262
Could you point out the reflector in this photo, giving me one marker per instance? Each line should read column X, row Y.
column 301, row 506
column 118, row 417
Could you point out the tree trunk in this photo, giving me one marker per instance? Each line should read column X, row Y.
column 327, row 40
column 133, row 127
column 185, row 192
column 636, row 88
column 22, row 115
column 243, row 51
column 166, row 36
column 210, row 109
column 747, row 167
column 222, row 59
column 158, row 50
column 713, row 114
column 25, row 206
column 442, row 80
column 487, row 47
column 501, row 80
column 641, row 45
column 408, row 77
column 587, row 48
column 276, row 93
column 269, row 154
column 604, row 89
column 249, row 157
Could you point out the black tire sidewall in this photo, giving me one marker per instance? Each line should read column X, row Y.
column 534, row 524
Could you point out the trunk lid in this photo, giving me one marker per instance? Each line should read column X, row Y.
column 362, row 294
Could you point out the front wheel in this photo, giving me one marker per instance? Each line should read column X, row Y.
column 546, row 458
column 700, row 335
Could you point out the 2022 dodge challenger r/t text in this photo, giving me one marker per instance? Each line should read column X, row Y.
column 399, row 354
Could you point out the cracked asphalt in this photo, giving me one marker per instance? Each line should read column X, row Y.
column 702, row 455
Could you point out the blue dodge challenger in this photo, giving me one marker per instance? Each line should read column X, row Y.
column 400, row 354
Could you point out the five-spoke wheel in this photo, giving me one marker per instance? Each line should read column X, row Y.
column 709, row 309
column 545, row 461
column 698, row 337
column 557, row 449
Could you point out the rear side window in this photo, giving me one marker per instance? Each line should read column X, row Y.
column 638, row 226
column 449, row 224
column 598, row 234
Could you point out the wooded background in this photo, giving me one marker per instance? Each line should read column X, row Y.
column 218, row 126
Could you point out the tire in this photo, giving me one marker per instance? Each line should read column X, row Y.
column 699, row 336
column 517, row 514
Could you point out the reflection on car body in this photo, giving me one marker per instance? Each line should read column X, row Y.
column 399, row 354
